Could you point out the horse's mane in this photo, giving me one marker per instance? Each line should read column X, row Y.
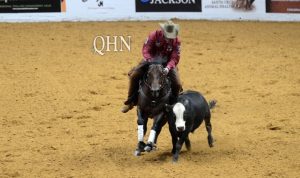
column 156, row 66
column 155, row 62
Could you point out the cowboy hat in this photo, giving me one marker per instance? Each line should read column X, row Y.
column 170, row 29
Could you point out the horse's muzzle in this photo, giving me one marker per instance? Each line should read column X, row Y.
column 155, row 93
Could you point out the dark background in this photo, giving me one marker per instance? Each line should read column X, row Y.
column 140, row 7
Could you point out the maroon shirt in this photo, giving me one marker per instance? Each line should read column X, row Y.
column 157, row 45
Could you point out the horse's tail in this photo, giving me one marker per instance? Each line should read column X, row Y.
column 212, row 104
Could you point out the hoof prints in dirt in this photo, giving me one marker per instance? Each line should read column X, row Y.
column 12, row 174
column 272, row 127
column 65, row 117
column 96, row 108
column 93, row 92
column 83, row 117
column 115, row 78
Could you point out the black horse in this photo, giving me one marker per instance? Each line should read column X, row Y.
column 154, row 93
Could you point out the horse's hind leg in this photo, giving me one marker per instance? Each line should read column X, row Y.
column 187, row 143
column 209, row 130
column 142, row 129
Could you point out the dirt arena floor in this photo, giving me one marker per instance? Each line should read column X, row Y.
column 60, row 102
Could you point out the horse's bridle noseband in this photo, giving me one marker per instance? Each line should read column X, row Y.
column 161, row 85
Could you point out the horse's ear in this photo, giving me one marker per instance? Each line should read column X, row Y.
column 168, row 107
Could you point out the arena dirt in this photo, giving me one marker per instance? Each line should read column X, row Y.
column 60, row 102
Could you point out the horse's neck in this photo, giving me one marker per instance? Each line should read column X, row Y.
column 145, row 89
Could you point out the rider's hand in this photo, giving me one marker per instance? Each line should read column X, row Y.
column 166, row 71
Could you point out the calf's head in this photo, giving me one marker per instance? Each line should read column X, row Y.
column 179, row 110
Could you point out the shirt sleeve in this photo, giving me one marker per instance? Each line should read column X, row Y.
column 148, row 45
column 175, row 57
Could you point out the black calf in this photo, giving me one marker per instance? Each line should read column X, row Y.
column 185, row 116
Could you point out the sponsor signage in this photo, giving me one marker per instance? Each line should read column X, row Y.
column 93, row 4
column 88, row 7
column 19, row 6
column 232, row 7
column 283, row 6
column 168, row 5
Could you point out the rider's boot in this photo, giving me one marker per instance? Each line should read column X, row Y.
column 132, row 96
column 127, row 108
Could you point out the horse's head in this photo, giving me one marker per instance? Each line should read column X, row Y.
column 155, row 79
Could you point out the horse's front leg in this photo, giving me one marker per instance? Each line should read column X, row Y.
column 159, row 127
column 142, row 129
column 158, row 122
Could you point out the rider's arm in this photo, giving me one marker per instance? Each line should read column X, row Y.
column 175, row 57
column 149, row 44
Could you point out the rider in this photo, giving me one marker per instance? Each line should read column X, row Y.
column 164, row 43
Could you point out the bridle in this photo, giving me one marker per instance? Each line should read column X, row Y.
column 162, row 85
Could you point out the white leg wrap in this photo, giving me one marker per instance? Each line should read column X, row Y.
column 140, row 133
column 152, row 136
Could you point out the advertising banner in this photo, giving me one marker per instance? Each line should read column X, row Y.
column 22, row 6
column 94, row 9
column 93, row 5
column 283, row 6
column 233, row 6
column 113, row 10
column 168, row 5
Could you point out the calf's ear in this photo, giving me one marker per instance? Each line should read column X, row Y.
column 168, row 107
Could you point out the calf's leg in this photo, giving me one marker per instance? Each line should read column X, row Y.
column 187, row 143
column 179, row 145
column 209, row 130
column 173, row 132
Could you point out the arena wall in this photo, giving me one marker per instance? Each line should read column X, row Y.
column 116, row 10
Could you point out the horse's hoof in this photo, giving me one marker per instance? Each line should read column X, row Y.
column 174, row 161
column 141, row 146
column 148, row 148
column 154, row 148
column 137, row 153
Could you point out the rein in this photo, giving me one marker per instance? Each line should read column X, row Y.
column 147, row 84
column 153, row 101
